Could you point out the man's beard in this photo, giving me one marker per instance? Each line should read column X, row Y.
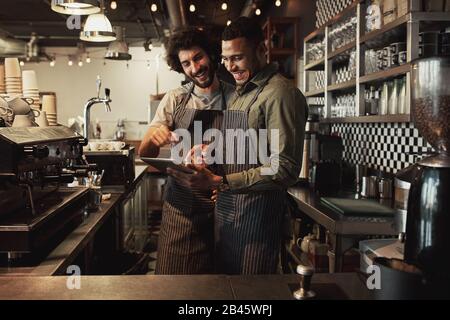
column 208, row 82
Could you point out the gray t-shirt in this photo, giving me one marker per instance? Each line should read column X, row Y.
column 213, row 101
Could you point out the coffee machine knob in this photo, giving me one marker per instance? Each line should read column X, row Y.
column 304, row 292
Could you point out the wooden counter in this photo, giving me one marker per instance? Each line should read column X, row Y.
column 194, row 287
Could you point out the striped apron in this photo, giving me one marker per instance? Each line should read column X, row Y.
column 248, row 226
column 186, row 239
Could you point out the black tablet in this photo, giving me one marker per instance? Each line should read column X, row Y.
column 163, row 163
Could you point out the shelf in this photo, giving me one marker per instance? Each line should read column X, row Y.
column 385, row 74
column 388, row 27
column 342, row 86
column 333, row 20
column 316, row 65
column 430, row 16
column 279, row 21
column 341, row 50
column 314, row 93
column 370, row 119
column 315, row 33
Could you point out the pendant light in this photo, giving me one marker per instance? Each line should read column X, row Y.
column 76, row 7
column 97, row 28
column 118, row 49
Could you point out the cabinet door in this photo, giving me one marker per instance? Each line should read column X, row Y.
column 140, row 215
column 127, row 223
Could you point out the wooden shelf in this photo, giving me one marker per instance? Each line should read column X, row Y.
column 341, row 50
column 430, row 16
column 315, row 93
column 315, row 33
column 342, row 86
column 370, row 119
column 279, row 20
column 316, row 65
column 390, row 26
column 386, row 74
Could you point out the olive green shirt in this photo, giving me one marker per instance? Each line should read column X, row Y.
column 280, row 106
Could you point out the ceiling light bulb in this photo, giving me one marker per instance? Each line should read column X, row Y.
column 70, row 63
column 224, row 6
column 52, row 63
column 258, row 12
column 154, row 7
column 113, row 5
column 228, row 22
column 88, row 60
column 80, row 63
column 192, row 8
column 278, row 3
column 22, row 63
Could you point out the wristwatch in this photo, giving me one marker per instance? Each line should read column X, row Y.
column 223, row 185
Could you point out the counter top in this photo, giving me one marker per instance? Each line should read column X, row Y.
column 189, row 287
column 309, row 203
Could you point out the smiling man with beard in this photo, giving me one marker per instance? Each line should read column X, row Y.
column 186, row 240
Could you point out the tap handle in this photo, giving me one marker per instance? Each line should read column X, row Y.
column 304, row 292
column 99, row 85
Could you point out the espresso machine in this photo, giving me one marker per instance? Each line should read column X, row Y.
column 427, row 243
column 37, row 209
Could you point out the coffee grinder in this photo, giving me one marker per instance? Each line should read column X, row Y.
column 427, row 242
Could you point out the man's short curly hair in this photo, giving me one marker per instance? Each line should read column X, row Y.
column 187, row 39
column 244, row 27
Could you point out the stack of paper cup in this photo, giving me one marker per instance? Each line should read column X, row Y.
column 49, row 106
column 2, row 79
column 30, row 88
column 13, row 77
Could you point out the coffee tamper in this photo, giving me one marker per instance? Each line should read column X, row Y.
column 304, row 292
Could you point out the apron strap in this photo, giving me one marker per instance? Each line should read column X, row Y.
column 188, row 96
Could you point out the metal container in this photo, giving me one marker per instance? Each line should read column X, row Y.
column 360, row 172
column 402, row 57
column 400, row 220
column 428, row 50
column 399, row 280
column 398, row 47
column 95, row 199
column 401, row 194
column 369, row 187
column 385, row 188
